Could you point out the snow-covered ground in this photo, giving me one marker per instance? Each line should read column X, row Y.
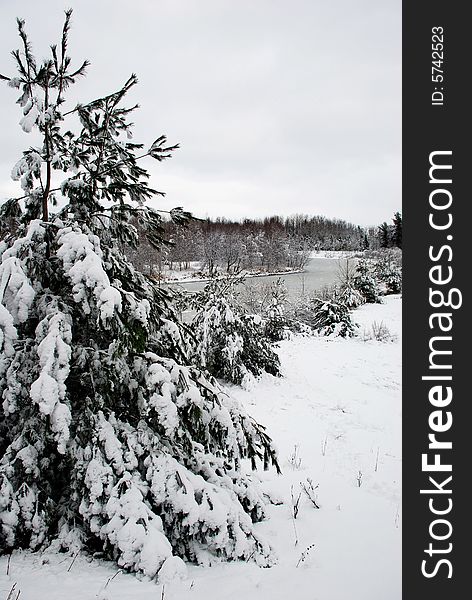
column 336, row 418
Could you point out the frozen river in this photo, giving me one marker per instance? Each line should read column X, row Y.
column 318, row 273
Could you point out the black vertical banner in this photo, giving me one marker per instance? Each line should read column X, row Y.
column 437, row 423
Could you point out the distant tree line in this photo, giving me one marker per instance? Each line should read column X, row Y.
column 269, row 244
column 390, row 236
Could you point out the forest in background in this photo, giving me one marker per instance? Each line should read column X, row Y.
column 271, row 244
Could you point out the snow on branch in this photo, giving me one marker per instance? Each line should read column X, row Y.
column 82, row 259
column 8, row 335
column 16, row 292
column 48, row 391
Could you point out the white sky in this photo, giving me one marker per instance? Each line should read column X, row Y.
column 280, row 106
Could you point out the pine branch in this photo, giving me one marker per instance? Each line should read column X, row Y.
column 80, row 71
column 54, row 57
column 30, row 61
column 65, row 33
column 21, row 68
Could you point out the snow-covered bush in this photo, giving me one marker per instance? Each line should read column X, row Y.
column 276, row 324
column 109, row 439
column 350, row 297
column 379, row 274
column 393, row 281
column 346, row 291
column 270, row 301
column 366, row 282
column 330, row 317
column 228, row 342
column 276, row 321
column 324, row 316
column 388, row 270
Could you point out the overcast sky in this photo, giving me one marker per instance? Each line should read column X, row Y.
column 280, row 107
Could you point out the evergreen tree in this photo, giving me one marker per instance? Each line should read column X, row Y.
column 109, row 441
column 350, row 296
column 273, row 309
column 346, row 292
column 385, row 236
column 229, row 342
column 330, row 317
column 388, row 270
column 397, row 235
column 271, row 302
column 366, row 283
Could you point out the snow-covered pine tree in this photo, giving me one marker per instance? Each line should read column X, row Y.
column 108, row 441
column 229, row 342
column 331, row 317
column 350, row 296
column 388, row 270
column 346, row 292
column 276, row 323
column 366, row 282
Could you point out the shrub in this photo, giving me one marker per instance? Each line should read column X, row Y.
column 331, row 318
column 325, row 317
column 228, row 342
column 379, row 332
column 388, row 270
column 351, row 297
column 366, row 283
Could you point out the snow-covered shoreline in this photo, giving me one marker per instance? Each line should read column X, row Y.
column 172, row 276
column 245, row 274
column 335, row 254
column 336, row 419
